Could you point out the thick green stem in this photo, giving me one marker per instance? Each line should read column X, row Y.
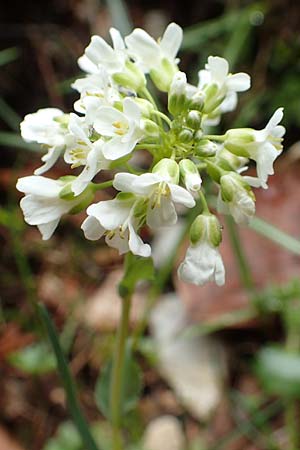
column 117, row 372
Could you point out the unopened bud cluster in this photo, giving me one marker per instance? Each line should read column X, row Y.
column 115, row 117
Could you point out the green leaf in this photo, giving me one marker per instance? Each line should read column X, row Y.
column 131, row 386
column 119, row 16
column 8, row 55
column 35, row 359
column 9, row 115
column 67, row 381
column 136, row 269
column 279, row 371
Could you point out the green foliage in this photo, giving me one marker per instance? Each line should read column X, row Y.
column 136, row 269
column 35, row 359
column 8, row 55
column 279, row 371
column 131, row 386
column 66, row 438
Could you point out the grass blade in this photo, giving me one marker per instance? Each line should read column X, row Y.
column 9, row 139
column 274, row 234
column 119, row 16
column 68, row 383
column 9, row 116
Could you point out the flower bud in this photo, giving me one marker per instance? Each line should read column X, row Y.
column 197, row 101
column 236, row 141
column 206, row 227
column 177, row 94
column 162, row 76
column 186, row 135
column 198, row 135
column 145, row 106
column 237, row 197
column 151, row 128
column 193, row 119
column 205, row 148
column 229, row 161
column 212, row 100
column 131, row 78
column 190, row 175
column 167, row 168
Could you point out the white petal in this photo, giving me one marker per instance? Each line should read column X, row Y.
column 144, row 47
column 98, row 51
column 123, row 181
column 39, row 210
column 90, row 170
column 204, row 78
column 50, row 159
column 136, row 245
column 238, row 82
column 105, row 118
column 118, row 242
column 110, row 213
column 131, row 109
column 162, row 215
column 219, row 68
column 181, row 195
column 229, row 103
column 87, row 65
column 171, row 40
column 47, row 229
column 37, row 185
column 78, row 129
column 275, row 119
column 115, row 148
column 117, row 39
column 92, row 228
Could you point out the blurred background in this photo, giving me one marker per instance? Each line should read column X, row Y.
column 226, row 373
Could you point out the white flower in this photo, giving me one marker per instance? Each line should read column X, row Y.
column 42, row 204
column 116, row 220
column 236, row 198
column 203, row 261
column 161, row 195
column 82, row 151
column 124, row 128
column 223, row 85
column 100, row 54
column 46, row 127
column 149, row 53
column 263, row 146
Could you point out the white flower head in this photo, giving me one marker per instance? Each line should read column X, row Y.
column 47, row 127
column 81, row 151
column 263, row 146
column 220, row 86
column 44, row 204
column 116, row 220
column 160, row 190
column 203, row 261
column 123, row 128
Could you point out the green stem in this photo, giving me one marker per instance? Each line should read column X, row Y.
column 117, row 372
column 146, row 94
column 100, row 186
column 163, row 116
column 243, row 266
column 215, row 137
column 203, row 202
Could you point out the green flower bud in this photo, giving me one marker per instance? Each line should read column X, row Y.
column 177, row 95
column 206, row 227
column 197, row 101
column 186, row 135
column 205, row 148
column 162, row 76
column 145, row 106
column 236, row 141
column 131, row 78
column 151, row 128
column 212, row 100
column 229, row 161
column 231, row 183
column 198, row 135
column 193, row 119
column 190, row 175
column 167, row 168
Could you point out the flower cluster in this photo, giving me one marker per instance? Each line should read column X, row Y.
column 115, row 117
